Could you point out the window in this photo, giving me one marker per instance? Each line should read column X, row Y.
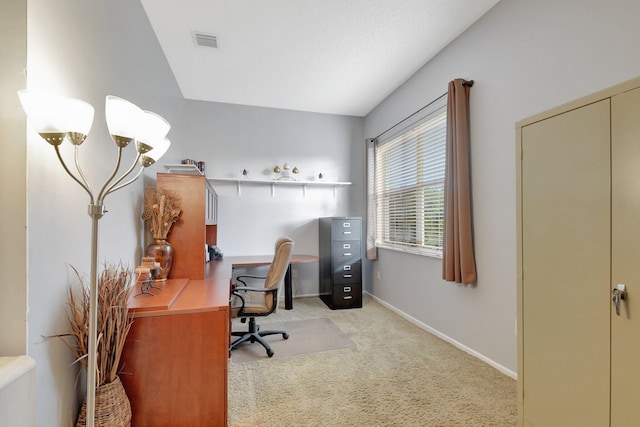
column 409, row 185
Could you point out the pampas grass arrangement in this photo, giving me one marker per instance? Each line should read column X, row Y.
column 161, row 209
column 114, row 289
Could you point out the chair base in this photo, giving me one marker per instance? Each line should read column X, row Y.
column 254, row 334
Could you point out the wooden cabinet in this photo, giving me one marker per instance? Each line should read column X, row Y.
column 578, row 237
column 175, row 372
column 189, row 234
column 211, row 205
column 174, row 362
column 340, row 261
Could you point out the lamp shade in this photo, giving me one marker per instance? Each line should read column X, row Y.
column 123, row 118
column 46, row 113
column 152, row 128
column 79, row 116
column 159, row 150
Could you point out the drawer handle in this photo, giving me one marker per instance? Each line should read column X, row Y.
column 347, row 289
column 347, row 254
column 346, row 224
column 346, row 246
column 347, row 268
column 347, row 276
column 347, row 232
column 347, row 297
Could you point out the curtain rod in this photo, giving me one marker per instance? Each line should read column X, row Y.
column 464, row 83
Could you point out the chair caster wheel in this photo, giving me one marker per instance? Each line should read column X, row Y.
column 285, row 336
column 270, row 353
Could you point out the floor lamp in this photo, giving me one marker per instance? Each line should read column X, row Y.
column 55, row 118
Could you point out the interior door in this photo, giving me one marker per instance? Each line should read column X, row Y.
column 566, row 268
column 625, row 245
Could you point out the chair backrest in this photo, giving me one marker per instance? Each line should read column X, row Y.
column 280, row 263
column 277, row 270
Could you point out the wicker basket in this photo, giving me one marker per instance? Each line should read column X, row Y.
column 112, row 406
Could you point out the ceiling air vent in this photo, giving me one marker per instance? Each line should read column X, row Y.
column 205, row 40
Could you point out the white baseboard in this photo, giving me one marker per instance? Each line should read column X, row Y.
column 448, row 339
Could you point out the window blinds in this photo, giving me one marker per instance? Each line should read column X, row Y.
column 409, row 181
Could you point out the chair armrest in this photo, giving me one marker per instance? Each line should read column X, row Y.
column 237, row 291
column 246, row 276
column 252, row 277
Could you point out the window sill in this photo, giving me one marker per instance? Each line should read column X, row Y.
column 421, row 252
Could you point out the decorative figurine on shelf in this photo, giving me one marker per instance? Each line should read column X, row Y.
column 245, row 173
column 320, row 176
column 161, row 209
column 287, row 174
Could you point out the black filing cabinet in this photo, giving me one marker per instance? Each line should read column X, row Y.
column 340, row 262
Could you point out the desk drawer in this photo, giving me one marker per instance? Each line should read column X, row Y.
column 347, row 273
column 347, row 296
column 345, row 251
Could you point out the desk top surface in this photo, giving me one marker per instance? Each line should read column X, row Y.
column 185, row 296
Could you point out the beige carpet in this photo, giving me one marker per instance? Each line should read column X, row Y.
column 305, row 336
column 396, row 375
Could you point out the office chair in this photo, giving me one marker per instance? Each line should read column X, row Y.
column 250, row 302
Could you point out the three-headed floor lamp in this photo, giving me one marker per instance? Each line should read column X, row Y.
column 55, row 118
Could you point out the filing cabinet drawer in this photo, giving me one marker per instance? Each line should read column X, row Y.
column 346, row 229
column 345, row 251
column 347, row 296
column 347, row 273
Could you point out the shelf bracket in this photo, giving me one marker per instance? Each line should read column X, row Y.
column 239, row 188
column 273, row 190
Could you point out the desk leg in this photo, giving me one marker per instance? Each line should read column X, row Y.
column 288, row 297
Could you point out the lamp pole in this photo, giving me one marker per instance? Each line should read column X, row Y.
column 96, row 212
column 57, row 119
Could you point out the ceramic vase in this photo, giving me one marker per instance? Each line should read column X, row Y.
column 162, row 251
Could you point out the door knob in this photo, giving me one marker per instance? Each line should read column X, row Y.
column 618, row 293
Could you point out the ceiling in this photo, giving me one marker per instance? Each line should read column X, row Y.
column 328, row 56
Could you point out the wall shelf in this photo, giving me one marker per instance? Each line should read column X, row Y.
column 275, row 183
column 182, row 168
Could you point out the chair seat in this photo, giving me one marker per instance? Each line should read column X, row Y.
column 249, row 308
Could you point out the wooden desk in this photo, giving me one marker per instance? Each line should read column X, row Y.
column 174, row 362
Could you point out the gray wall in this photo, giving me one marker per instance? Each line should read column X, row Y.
column 84, row 50
column 525, row 57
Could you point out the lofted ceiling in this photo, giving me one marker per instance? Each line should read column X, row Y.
column 328, row 56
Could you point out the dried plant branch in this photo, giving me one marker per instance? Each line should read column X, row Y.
column 162, row 209
column 114, row 323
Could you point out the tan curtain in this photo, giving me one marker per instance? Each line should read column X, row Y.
column 372, row 251
column 458, row 263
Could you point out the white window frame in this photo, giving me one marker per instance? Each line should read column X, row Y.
column 422, row 138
